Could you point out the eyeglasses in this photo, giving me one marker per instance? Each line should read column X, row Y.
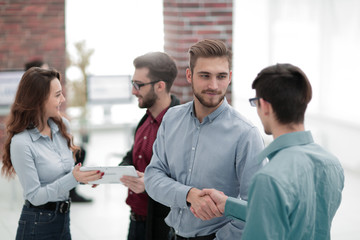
column 253, row 101
column 137, row 86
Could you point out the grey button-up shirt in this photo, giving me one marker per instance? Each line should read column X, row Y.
column 43, row 165
column 217, row 153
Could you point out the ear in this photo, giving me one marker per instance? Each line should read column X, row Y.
column 265, row 107
column 188, row 75
column 160, row 86
column 230, row 77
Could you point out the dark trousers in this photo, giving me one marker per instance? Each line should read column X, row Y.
column 177, row 237
column 208, row 237
column 137, row 230
column 43, row 224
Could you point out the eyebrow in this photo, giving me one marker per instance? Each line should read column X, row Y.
column 205, row 72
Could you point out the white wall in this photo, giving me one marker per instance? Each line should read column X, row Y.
column 323, row 39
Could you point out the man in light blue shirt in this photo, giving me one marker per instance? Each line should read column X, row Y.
column 296, row 195
column 201, row 144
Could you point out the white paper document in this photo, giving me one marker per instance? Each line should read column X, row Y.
column 112, row 174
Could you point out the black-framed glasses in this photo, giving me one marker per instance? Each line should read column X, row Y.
column 253, row 101
column 137, row 86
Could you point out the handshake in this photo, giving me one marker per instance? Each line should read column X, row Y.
column 206, row 204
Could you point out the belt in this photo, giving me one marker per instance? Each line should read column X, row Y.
column 62, row 207
column 207, row 237
column 137, row 218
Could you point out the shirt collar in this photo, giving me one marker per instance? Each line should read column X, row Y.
column 224, row 105
column 35, row 133
column 285, row 141
column 159, row 117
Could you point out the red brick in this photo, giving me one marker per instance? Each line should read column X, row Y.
column 202, row 23
column 181, row 4
column 219, row 13
column 34, row 9
column 176, row 23
column 218, row 5
column 207, row 32
column 194, row 14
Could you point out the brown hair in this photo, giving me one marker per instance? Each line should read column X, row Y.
column 209, row 48
column 28, row 109
column 161, row 67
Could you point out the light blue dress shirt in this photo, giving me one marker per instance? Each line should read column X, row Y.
column 217, row 153
column 43, row 165
column 296, row 195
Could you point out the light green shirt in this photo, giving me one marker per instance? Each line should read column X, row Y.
column 296, row 195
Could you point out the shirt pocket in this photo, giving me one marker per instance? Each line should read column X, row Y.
column 46, row 217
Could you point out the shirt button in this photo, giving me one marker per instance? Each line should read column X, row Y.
column 145, row 138
column 193, row 148
column 140, row 156
column 152, row 121
column 190, row 170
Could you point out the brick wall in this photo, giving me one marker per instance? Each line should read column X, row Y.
column 33, row 28
column 28, row 29
column 188, row 21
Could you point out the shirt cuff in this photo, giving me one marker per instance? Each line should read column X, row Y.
column 236, row 208
column 182, row 195
column 68, row 182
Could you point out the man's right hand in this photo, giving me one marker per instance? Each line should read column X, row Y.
column 202, row 206
column 218, row 197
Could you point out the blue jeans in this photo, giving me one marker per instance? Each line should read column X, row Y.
column 43, row 224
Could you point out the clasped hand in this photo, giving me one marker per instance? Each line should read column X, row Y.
column 206, row 204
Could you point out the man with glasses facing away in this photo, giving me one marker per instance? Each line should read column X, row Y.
column 154, row 75
column 296, row 195
column 202, row 144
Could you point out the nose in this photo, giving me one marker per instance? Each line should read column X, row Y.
column 63, row 98
column 213, row 84
column 134, row 91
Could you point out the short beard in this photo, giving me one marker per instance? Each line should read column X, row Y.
column 203, row 101
column 149, row 99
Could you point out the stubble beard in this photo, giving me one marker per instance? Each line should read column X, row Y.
column 149, row 99
column 208, row 104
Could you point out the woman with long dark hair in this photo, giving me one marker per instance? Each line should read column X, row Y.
column 39, row 149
